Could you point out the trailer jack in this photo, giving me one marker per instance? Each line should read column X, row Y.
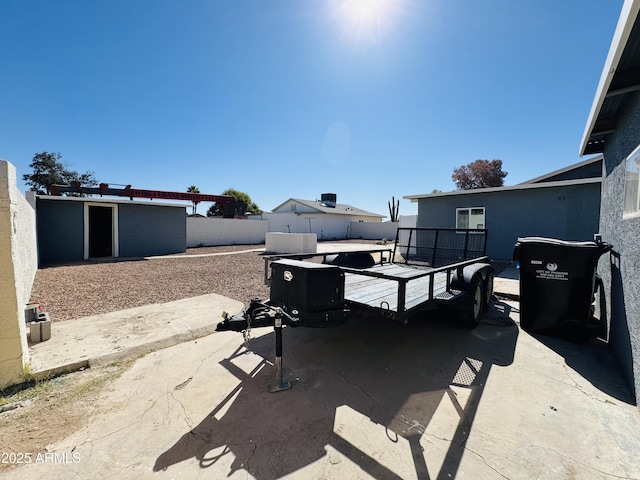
column 262, row 314
column 265, row 314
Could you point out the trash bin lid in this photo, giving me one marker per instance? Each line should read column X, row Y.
column 555, row 242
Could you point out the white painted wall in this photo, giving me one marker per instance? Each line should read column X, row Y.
column 374, row 230
column 326, row 226
column 211, row 231
column 18, row 265
column 278, row 242
column 408, row 221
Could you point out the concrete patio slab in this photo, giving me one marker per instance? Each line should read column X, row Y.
column 115, row 336
column 370, row 399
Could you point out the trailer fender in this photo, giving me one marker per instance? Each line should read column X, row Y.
column 464, row 282
column 468, row 272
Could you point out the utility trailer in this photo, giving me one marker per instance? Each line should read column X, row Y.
column 427, row 268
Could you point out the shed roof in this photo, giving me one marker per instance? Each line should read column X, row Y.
column 108, row 200
column 620, row 78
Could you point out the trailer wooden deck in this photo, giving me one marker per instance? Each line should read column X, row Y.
column 397, row 290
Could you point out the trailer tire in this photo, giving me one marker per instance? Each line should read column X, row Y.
column 488, row 291
column 474, row 303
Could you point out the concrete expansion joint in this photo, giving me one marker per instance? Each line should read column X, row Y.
column 590, row 395
column 193, row 335
column 484, row 460
column 367, row 394
column 253, row 452
column 187, row 419
column 548, row 449
column 590, row 467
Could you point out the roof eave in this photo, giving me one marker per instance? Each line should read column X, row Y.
column 520, row 186
column 625, row 25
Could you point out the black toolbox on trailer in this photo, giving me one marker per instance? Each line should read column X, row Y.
column 307, row 290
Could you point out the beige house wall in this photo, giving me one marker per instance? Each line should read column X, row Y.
column 18, row 265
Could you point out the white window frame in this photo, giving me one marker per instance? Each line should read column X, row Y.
column 469, row 209
column 631, row 206
column 114, row 220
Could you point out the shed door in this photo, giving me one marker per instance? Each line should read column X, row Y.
column 100, row 231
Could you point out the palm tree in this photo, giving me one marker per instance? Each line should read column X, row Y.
column 194, row 189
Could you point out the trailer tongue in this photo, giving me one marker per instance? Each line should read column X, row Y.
column 428, row 268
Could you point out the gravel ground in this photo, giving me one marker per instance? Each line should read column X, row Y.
column 89, row 288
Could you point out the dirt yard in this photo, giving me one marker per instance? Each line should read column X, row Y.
column 44, row 412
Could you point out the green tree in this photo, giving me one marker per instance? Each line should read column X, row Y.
column 479, row 174
column 194, row 189
column 49, row 170
column 217, row 210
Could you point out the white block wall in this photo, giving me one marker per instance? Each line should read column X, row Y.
column 212, row 231
column 374, row 230
column 277, row 242
column 18, row 265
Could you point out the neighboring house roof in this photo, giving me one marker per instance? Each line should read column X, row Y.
column 618, row 81
column 327, row 207
column 558, row 178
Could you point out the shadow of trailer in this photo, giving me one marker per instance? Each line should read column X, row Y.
column 372, row 399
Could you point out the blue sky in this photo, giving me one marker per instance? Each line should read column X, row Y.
column 294, row 98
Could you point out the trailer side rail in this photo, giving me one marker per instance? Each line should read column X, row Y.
column 398, row 290
column 436, row 247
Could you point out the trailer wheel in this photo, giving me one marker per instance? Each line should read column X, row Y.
column 475, row 302
column 488, row 291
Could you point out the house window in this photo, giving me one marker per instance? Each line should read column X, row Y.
column 632, row 185
column 470, row 217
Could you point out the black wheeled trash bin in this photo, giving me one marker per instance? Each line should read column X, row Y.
column 557, row 279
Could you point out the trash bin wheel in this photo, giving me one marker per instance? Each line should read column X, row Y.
column 475, row 302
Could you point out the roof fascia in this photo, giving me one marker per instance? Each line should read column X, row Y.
column 521, row 186
column 626, row 21
column 108, row 200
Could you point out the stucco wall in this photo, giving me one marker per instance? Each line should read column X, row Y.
column 622, row 276
column 60, row 231
column 18, row 265
column 374, row 230
column 326, row 226
column 151, row 230
column 565, row 212
column 225, row 231
column 143, row 229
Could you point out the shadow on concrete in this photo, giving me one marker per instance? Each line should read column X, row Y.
column 593, row 361
column 357, row 388
column 618, row 321
column 596, row 360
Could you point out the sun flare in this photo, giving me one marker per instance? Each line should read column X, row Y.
column 365, row 19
